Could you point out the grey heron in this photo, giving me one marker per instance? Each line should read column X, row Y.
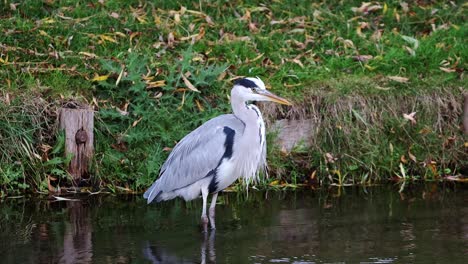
column 223, row 149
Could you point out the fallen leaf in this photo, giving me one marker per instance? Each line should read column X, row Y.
column 363, row 58
column 448, row 70
column 120, row 76
column 411, row 41
column 410, row 117
column 114, row 15
column 99, row 78
column 108, row 38
column 366, row 7
column 136, row 122
column 209, row 21
column 252, row 27
column 13, row 6
column 221, row 76
column 274, row 183
column 398, row 79
column 199, row 105
column 155, row 84
column 170, row 40
column 404, row 7
column 329, row 158
column 189, row 84
column 88, row 54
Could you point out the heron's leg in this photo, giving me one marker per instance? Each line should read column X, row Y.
column 212, row 211
column 204, row 218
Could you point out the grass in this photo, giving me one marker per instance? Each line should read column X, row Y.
column 126, row 59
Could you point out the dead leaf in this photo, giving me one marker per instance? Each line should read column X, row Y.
column 139, row 14
column 114, row 15
column 120, row 75
column 189, row 84
column 397, row 16
column 329, row 158
column 170, row 40
column 363, row 58
column 136, row 122
column 199, row 105
column 448, row 70
column 410, row 117
column 155, row 84
column 403, row 159
column 108, row 38
column 252, row 27
column 13, row 6
column 366, row 8
column 404, row 7
column 222, row 76
column 398, row 79
column 177, row 18
column 88, row 54
column 209, row 21
column 377, row 35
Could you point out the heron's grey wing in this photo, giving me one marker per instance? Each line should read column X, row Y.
column 197, row 154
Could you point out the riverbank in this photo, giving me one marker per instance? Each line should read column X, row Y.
column 379, row 86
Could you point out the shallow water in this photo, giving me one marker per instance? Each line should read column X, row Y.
column 376, row 225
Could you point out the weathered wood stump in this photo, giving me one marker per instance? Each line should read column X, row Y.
column 78, row 125
column 465, row 113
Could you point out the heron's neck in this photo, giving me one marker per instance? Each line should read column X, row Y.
column 243, row 111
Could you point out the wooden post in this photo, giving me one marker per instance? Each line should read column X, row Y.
column 465, row 113
column 78, row 125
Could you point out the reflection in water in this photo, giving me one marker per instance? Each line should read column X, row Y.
column 373, row 226
column 77, row 245
column 159, row 255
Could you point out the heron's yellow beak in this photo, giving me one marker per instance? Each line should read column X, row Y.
column 273, row 97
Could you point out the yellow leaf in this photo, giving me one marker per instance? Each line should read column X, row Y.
column 397, row 16
column 43, row 33
column 4, row 61
column 120, row 34
column 155, row 84
column 88, row 54
column 107, row 38
column 99, row 78
column 274, row 183
column 48, row 20
column 199, row 105
column 385, row 8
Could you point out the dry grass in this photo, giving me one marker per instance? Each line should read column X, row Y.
column 370, row 136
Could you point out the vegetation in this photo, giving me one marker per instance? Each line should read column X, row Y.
column 155, row 70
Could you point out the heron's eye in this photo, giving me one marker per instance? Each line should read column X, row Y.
column 253, row 90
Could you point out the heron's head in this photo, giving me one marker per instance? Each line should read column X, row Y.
column 253, row 89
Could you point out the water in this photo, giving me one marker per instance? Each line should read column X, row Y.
column 377, row 225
